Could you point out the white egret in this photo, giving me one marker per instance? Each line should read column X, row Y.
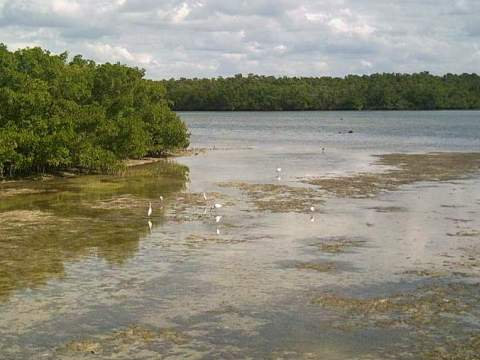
column 312, row 209
column 161, row 198
column 217, row 206
column 204, row 196
column 218, row 218
column 149, row 212
column 279, row 171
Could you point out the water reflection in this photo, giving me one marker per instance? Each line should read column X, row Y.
column 64, row 219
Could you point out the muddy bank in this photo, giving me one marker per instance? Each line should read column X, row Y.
column 72, row 173
column 173, row 154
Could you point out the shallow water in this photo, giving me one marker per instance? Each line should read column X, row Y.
column 82, row 274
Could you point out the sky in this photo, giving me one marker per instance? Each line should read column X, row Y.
column 209, row 38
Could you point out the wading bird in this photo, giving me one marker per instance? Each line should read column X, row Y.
column 279, row 171
column 312, row 209
column 149, row 212
column 204, row 196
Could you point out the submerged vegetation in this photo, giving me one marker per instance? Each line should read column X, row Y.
column 57, row 114
column 278, row 198
column 46, row 224
column 431, row 313
column 126, row 341
column 421, row 91
column 404, row 169
column 337, row 244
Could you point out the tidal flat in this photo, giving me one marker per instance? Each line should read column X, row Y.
column 382, row 270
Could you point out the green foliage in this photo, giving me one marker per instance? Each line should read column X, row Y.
column 421, row 91
column 56, row 114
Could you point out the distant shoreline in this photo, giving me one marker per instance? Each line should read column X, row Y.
column 332, row 111
column 386, row 91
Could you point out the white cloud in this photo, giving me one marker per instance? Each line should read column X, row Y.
column 107, row 52
column 219, row 37
column 366, row 64
column 315, row 16
column 65, row 8
column 180, row 13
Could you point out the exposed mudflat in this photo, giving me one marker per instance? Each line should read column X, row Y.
column 379, row 261
column 403, row 169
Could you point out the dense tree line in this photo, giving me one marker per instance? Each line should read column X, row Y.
column 59, row 114
column 421, row 91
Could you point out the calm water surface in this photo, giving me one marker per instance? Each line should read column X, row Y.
column 84, row 274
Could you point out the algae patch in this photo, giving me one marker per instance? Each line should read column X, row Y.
column 16, row 218
column 430, row 315
column 127, row 341
column 387, row 209
column 120, row 202
column 317, row 266
column 134, row 333
column 84, row 346
column 426, row 273
column 402, row 169
column 433, row 311
column 452, row 350
column 189, row 206
column 199, row 241
column 466, row 233
column 337, row 244
column 279, row 198
column 9, row 192
column 173, row 336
